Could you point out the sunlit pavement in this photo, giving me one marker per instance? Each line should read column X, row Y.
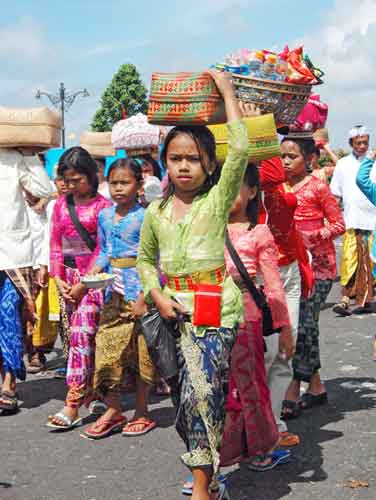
column 338, row 440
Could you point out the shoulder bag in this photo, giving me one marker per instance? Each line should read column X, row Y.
column 257, row 295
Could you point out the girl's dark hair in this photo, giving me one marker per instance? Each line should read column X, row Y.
column 252, row 179
column 306, row 146
column 129, row 163
column 153, row 163
column 81, row 161
column 205, row 142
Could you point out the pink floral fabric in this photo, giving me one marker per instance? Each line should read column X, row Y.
column 259, row 254
column 319, row 220
column 65, row 240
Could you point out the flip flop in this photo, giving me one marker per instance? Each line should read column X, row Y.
column 342, row 309
column 309, row 400
column 366, row 309
column 111, row 427
column 290, row 410
column 287, row 439
column 187, row 488
column 68, row 422
column 222, row 492
column 147, row 424
column 8, row 402
column 60, row 373
column 278, row 457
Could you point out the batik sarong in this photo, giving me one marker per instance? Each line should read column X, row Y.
column 83, row 321
column 356, row 266
column 250, row 426
column 306, row 360
column 120, row 348
column 200, row 394
column 11, row 329
column 48, row 312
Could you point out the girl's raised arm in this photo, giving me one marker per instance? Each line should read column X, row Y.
column 236, row 162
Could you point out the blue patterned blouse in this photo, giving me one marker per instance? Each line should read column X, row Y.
column 118, row 241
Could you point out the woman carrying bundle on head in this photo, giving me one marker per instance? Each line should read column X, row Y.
column 319, row 220
column 186, row 231
column 74, row 249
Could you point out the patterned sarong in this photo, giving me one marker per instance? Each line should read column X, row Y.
column 11, row 330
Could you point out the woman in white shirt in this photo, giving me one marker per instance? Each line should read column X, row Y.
column 18, row 173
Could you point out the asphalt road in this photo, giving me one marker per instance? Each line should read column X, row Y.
column 338, row 441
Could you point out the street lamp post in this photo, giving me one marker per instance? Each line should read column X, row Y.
column 63, row 100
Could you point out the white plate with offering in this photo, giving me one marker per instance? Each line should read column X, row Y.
column 101, row 280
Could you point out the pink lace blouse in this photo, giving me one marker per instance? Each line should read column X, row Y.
column 65, row 240
column 319, row 220
column 259, row 254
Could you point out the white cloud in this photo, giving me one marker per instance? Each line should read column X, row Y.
column 24, row 40
column 207, row 16
column 108, row 48
column 344, row 45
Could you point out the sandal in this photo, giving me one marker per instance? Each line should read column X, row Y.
column 287, row 439
column 342, row 309
column 162, row 388
column 61, row 373
column 222, row 492
column 68, row 424
column 8, row 401
column 290, row 410
column 278, row 457
column 146, row 423
column 309, row 400
column 37, row 363
column 111, row 426
column 366, row 309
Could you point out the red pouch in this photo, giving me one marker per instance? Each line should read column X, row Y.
column 207, row 305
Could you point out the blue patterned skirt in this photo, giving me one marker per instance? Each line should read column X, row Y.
column 200, row 393
column 11, row 331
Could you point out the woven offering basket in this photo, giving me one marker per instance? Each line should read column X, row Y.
column 187, row 98
column 284, row 100
column 262, row 136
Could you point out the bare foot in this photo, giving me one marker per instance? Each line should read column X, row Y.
column 293, row 391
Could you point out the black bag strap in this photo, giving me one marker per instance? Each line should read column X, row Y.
column 82, row 231
column 248, row 281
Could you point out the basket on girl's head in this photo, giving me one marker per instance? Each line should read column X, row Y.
column 284, row 100
column 193, row 99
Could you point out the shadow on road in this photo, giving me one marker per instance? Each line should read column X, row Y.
column 308, row 462
column 5, row 485
column 36, row 392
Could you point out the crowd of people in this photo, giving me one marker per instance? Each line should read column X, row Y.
column 251, row 243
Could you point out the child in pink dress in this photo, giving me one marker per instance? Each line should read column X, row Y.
column 70, row 259
column 250, row 428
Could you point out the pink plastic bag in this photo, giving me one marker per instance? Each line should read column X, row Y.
column 312, row 117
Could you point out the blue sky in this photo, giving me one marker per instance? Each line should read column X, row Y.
column 84, row 42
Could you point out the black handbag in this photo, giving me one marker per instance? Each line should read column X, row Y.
column 82, row 231
column 160, row 337
column 257, row 295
